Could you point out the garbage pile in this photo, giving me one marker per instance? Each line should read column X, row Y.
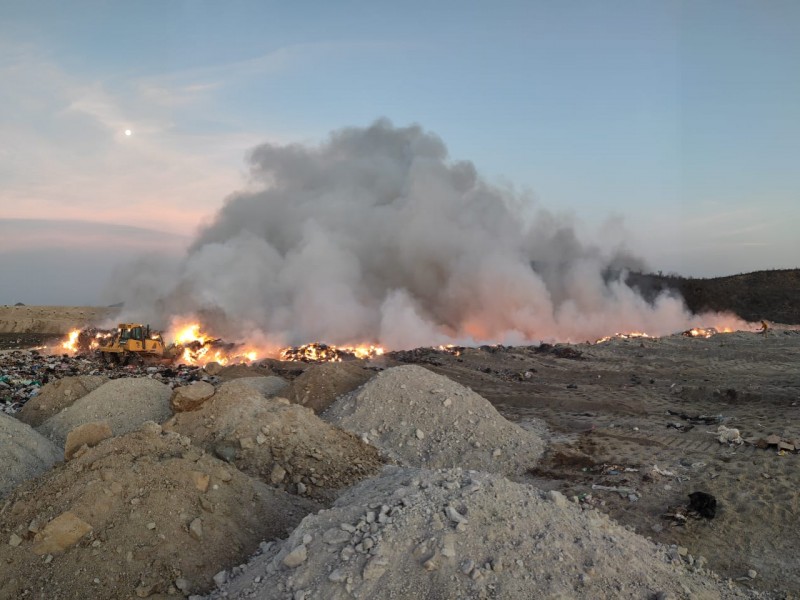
column 24, row 372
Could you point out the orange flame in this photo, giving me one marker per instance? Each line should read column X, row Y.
column 318, row 352
column 71, row 343
column 623, row 336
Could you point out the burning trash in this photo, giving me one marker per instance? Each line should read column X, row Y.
column 318, row 352
column 623, row 336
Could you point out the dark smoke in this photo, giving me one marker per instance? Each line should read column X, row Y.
column 376, row 236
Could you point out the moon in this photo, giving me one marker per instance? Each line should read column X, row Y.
column 128, row 132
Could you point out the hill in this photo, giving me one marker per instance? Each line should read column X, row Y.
column 770, row 295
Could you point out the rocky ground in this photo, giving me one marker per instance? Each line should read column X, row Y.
column 543, row 471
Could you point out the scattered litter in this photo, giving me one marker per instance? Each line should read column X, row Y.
column 682, row 427
column 728, row 435
column 662, row 472
column 623, row 491
column 699, row 419
column 23, row 372
column 781, row 444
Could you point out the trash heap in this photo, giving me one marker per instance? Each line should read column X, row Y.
column 24, row 372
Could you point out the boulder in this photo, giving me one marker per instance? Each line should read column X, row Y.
column 190, row 397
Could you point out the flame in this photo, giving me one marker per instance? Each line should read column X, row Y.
column 706, row 332
column 190, row 333
column 623, row 336
column 197, row 347
column 319, row 352
column 71, row 343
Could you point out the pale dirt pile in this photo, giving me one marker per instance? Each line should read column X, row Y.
column 148, row 514
column 124, row 403
column 56, row 396
column 426, row 420
column 280, row 443
column 319, row 385
column 414, row 533
column 266, row 386
column 24, row 453
column 51, row 319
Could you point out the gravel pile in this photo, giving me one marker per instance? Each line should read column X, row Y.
column 140, row 515
column 24, row 453
column 321, row 384
column 57, row 395
column 124, row 403
column 282, row 444
column 415, row 533
column 421, row 419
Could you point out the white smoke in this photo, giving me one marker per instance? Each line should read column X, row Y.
column 375, row 236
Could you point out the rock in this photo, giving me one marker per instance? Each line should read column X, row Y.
column 190, row 397
column 196, row 529
column 226, row 451
column 374, row 568
column 220, row 578
column 557, row 498
column 296, row 557
column 89, row 434
column 420, row 435
column 454, row 515
column 277, row 474
column 14, row 540
column 213, row 368
column 60, row 533
column 752, row 573
column 335, row 536
column 200, row 480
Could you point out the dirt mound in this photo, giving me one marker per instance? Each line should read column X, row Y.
column 450, row 534
column 56, row 396
column 24, row 453
column 50, row 319
column 422, row 419
column 266, row 386
column 321, row 384
column 124, row 403
column 238, row 371
column 141, row 514
column 280, row 443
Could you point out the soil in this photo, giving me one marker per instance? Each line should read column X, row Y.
column 451, row 534
column 639, row 416
column 51, row 320
column 163, row 516
column 56, row 396
column 281, row 444
column 319, row 385
column 421, row 419
column 24, row 453
column 606, row 409
column 123, row 403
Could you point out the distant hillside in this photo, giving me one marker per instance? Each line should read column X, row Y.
column 770, row 295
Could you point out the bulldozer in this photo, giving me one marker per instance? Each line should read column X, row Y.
column 135, row 343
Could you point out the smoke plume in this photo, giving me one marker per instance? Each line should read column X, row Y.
column 376, row 236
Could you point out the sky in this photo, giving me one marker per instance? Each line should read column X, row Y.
column 677, row 122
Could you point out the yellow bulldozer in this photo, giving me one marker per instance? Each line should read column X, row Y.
column 135, row 343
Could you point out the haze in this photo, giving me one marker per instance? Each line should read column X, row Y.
column 672, row 128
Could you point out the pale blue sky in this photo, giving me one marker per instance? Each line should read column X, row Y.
column 683, row 118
